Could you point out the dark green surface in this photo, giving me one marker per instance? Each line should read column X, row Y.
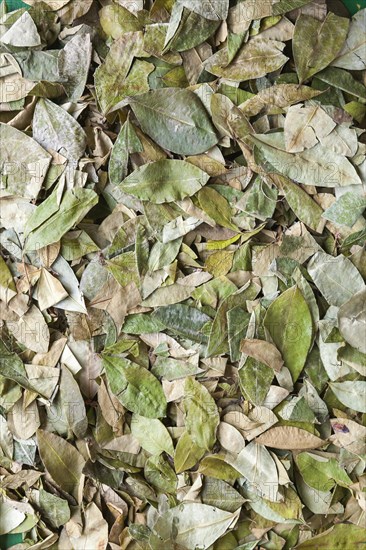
column 354, row 6
column 15, row 5
column 7, row 541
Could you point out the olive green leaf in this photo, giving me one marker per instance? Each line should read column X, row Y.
column 187, row 453
column 63, row 462
column 117, row 21
column 201, row 414
column 135, row 387
column 300, row 202
column 7, row 284
column 183, row 320
column 275, row 98
column 176, row 119
column 126, row 143
column 316, row 43
column 152, row 435
column 340, row 78
column 341, row 536
column 255, row 59
column 255, row 379
column 74, row 205
column 120, row 76
column 318, row 471
column 165, row 181
column 289, row 323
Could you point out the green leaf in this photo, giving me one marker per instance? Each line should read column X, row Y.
column 318, row 471
column 216, row 206
column 343, row 536
column 116, row 21
column 126, row 143
column 120, row 76
column 54, row 509
column 183, row 320
column 7, row 285
column 74, row 205
column 288, row 321
column 187, row 453
column 297, row 410
column 160, row 474
column 201, row 414
column 135, row 387
column 316, row 43
column 63, row 462
column 237, row 324
column 340, row 78
column 255, row 379
column 346, row 209
column 305, row 208
column 152, row 435
column 165, row 181
column 176, row 119
column 217, row 493
column 336, row 278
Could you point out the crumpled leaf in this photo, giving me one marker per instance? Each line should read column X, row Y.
column 182, row 274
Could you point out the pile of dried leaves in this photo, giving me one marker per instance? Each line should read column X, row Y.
column 182, row 279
